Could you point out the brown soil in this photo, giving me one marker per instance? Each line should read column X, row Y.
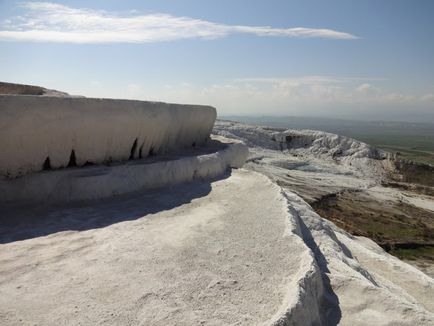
column 416, row 188
column 401, row 229
column 415, row 173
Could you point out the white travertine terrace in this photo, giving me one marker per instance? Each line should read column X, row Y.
column 60, row 131
column 97, row 182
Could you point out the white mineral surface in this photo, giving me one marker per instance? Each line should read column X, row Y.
column 241, row 248
column 38, row 132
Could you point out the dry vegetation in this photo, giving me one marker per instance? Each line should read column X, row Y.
column 401, row 229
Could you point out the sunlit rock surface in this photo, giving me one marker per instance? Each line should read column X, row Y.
column 49, row 132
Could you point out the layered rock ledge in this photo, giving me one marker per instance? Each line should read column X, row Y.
column 49, row 132
column 210, row 160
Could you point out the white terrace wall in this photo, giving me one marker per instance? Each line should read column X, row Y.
column 62, row 131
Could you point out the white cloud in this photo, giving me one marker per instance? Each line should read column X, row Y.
column 368, row 89
column 305, row 95
column 327, row 96
column 50, row 22
column 427, row 97
column 134, row 90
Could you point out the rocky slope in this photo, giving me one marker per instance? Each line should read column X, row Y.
column 349, row 183
column 315, row 166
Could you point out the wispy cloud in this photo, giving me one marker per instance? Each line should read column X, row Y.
column 301, row 95
column 51, row 22
column 307, row 79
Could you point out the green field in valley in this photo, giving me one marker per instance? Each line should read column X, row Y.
column 419, row 149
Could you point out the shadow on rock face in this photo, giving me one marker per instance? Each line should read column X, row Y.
column 330, row 313
column 27, row 222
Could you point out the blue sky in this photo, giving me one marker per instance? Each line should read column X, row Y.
column 348, row 59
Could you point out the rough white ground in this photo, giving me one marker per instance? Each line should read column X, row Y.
column 235, row 251
column 203, row 253
column 34, row 129
column 394, row 195
column 96, row 182
column 369, row 286
column 354, row 157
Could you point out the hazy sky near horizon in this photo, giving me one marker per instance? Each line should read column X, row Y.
column 349, row 59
